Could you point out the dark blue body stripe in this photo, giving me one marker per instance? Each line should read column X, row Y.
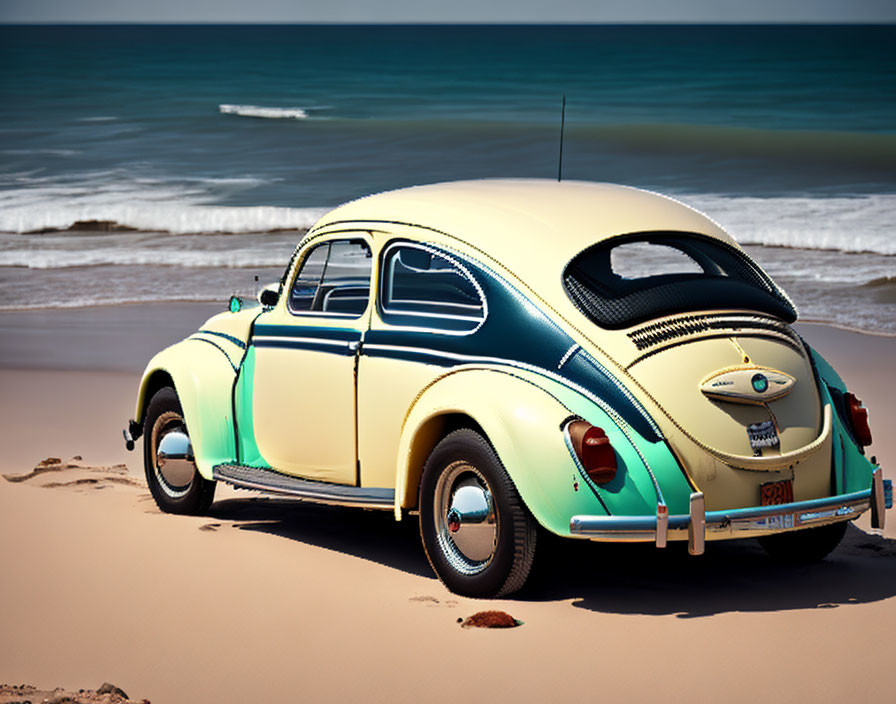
column 423, row 356
column 343, row 334
column 341, row 348
column 230, row 338
column 515, row 332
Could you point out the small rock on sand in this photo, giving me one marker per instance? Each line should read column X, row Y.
column 490, row 619
column 109, row 688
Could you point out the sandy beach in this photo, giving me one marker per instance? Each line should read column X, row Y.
column 271, row 600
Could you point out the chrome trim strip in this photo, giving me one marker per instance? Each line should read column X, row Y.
column 697, row 524
column 311, row 340
column 305, row 489
column 569, row 353
column 662, row 525
column 721, row 525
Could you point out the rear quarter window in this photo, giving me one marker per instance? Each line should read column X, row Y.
column 421, row 288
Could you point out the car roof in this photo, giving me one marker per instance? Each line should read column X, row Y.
column 533, row 227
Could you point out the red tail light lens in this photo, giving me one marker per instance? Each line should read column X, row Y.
column 858, row 418
column 593, row 448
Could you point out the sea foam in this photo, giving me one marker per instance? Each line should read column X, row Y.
column 152, row 204
column 264, row 112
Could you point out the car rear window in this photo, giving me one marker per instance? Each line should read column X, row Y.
column 628, row 280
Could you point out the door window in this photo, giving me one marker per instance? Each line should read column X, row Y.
column 334, row 280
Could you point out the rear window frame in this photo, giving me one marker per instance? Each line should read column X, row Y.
column 777, row 303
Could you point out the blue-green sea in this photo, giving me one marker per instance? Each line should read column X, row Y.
column 202, row 140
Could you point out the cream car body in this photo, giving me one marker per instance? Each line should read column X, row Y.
column 341, row 396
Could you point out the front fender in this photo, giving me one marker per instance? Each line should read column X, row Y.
column 522, row 415
column 203, row 378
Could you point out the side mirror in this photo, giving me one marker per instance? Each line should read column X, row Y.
column 269, row 296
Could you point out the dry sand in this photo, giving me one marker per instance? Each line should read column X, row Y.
column 268, row 600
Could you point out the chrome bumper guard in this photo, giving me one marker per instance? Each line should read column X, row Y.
column 701, row 525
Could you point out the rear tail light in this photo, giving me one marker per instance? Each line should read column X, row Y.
column 593, row 448
column 858, row 418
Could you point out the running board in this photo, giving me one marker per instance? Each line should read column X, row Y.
column 305, row 489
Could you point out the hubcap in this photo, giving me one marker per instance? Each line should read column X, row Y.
column 465, row 517
column 173, row 462
column 175, row 459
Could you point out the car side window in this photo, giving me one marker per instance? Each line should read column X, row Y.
column 334, row 279
column 307, row 281
column 418, row 284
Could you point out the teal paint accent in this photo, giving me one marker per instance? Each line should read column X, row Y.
column 854, row 474
column 852, row 469
column 824, row 370
column 244, row 427
column 236, row 304
column 631, row 493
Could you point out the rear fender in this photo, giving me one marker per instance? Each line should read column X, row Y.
column 525, row 431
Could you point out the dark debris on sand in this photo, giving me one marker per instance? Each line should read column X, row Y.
column 490, row 619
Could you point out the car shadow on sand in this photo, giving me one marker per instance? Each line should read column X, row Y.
column 369, row 535
column 619, row 579
column 730, row 576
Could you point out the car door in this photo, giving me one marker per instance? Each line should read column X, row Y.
column 304, row 393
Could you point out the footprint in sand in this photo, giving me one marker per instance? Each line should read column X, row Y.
column 53, row 473
column 432, row 601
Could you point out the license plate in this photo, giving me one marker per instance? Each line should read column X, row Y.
column 775, row 493
column 762, row 435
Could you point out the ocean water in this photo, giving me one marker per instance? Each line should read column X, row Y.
column 213, row 146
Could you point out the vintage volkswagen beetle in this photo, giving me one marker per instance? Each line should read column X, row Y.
column 482, row 353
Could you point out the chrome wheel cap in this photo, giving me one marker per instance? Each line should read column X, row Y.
column 466, row 520
column 174, row 459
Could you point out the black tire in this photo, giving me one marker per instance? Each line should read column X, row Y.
column 464, row 460
column 163, row 415
column 804, row 546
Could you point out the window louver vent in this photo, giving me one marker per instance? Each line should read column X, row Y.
column 667, row 331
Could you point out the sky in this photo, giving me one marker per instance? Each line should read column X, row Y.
column 361, row 11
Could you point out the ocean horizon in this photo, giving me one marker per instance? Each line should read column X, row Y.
column 178, row 162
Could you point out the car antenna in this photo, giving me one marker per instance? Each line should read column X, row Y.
column 562, row 125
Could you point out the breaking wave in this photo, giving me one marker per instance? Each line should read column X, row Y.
column 116, row 201
column 841, row 224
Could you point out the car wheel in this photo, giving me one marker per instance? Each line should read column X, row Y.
column 478, row 535
column 175, row 483
column 810, row 545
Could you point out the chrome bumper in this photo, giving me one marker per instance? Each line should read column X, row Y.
column 700, row 525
